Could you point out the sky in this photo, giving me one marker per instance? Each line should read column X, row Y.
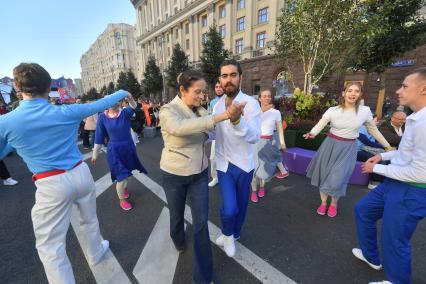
column 55, row 33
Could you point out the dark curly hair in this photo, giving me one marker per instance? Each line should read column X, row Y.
column 31, row 78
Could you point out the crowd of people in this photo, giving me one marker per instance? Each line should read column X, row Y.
column 247, row 141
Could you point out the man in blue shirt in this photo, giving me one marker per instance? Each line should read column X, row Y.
column 45, row 136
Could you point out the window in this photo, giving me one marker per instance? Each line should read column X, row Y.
column 187, row 43
column 222, row 31
column 239, row 46
column 176, row 34
column 204, row 38
column 261, row 40
column 186, row 28
column 240, row 24
column 241, row 4
column 262, row 15
column 204, row 21
column 222, row 12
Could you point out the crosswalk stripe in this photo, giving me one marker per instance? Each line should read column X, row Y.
column 109, row 270
column 259, row 268
column 159, row 258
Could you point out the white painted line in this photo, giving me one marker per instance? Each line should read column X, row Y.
column 109, row 270
column 259, row 268
column 80, row 142
column 103, row 184
column 159, row 258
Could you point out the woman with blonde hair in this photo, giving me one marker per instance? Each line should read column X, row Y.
column 333, row 164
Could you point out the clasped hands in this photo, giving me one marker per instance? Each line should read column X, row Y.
column 235, row 110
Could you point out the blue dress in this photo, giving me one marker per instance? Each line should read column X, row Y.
column 121, row 151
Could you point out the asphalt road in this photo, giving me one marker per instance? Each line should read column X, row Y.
column 282, row 230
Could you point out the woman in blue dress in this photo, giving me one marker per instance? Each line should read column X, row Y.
column 122, row 158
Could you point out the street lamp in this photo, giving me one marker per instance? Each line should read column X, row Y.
column 162, row 65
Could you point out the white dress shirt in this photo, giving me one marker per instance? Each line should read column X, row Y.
column 408, row 163
column 235, row 143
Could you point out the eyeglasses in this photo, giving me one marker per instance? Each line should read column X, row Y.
column 232, row 75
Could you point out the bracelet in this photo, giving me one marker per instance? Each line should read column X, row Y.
column 236, row 122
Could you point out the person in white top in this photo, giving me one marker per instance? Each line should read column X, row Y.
column 213, row 173
column 235, row 163
column 267, row 154
column 333, row 164
column 400, row 201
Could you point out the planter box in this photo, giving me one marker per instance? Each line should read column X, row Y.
column 290, row 137
column 310, row 144
column 297, row 161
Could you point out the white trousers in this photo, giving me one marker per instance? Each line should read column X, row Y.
column 51, row 216
column 213, row 172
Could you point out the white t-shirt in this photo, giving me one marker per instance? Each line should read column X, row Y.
column 269, row 120
column 344, row 123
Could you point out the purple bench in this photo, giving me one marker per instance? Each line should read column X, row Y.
column 297, row 160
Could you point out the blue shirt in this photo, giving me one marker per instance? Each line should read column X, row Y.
column 117, row 129
column 212, row 103
column 45, row 135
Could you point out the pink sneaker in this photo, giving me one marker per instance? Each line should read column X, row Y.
column 253, row 197
column 332, row 211
column 125, row 205
column 261, row 192
column 281, row 175
column 321, row 210
column 126, row 193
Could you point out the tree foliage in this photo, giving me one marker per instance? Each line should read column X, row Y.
column 213, row 54
column 127, row 81
column 318, row 34
column 153, row 80
column 392, row 27
column 110, row 88
column 178, row 64
column 92, row 95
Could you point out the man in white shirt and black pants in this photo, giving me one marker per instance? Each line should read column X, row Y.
column 400, row 201
column 235, row 161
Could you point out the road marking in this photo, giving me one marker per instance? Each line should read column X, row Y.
column 109, row 270
column 259, row 268
column 159, row 258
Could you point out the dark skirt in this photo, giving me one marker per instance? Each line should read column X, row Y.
column 332, row 166
column 122, row 160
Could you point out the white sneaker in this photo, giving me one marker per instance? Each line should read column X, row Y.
column 95, row 260
column 358, row 254
column 229, row 245
column 373, row 184
column 213, row 182
column 381, row 282
column 10, row 181
column 220, row 240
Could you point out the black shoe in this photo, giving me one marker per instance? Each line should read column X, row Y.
column 180, row 248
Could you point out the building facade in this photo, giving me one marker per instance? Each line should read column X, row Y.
column 78, row 88
column 247, row 27
column 112, row 52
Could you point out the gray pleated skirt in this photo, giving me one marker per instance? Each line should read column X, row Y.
column 267, row 156
column 332, row 166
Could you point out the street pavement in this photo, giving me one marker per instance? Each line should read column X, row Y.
column 283, row 239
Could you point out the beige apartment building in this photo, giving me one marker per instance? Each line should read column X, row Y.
column 111, row 53
column 247, row 27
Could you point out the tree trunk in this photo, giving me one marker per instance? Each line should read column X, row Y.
column 381, row 96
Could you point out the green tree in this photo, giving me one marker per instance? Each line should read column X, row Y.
column 92, row 95
column 132, row 84
column 319, row 35
column 122, row 81
column 177, row 65
column 153, row 80
column 110, row 88
column 392, row 27
column 212, row 55
column 103, row 92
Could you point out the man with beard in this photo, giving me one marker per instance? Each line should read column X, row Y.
column 219, row 92
column 235, row 162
